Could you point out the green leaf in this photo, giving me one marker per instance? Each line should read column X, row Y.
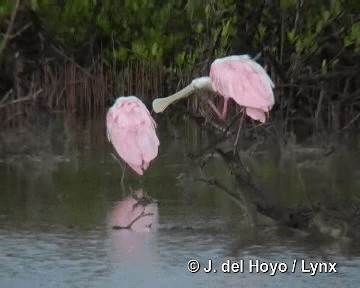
column 287, row 4
column 154, row 49
column 291, row 36
column 121, row 54
column 325, row 15
column 319, row 26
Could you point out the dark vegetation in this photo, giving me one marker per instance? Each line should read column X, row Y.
column 76, row 56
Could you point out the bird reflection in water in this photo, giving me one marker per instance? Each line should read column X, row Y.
column 137, row 212
column 133, row 221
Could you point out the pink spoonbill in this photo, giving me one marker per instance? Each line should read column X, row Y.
column 237, row 77
column 131, row 130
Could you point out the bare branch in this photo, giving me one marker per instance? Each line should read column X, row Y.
column 10, row 27
column 26, row 98
column 19, row 32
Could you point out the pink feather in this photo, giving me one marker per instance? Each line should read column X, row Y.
column 131, row 130
column 245, row 81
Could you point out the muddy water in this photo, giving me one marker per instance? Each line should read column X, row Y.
column 59, row 184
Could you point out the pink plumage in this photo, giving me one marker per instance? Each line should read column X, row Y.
column 131, row 130
column 245, row 81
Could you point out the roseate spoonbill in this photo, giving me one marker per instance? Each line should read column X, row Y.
column 236, row 77
column 131, row 130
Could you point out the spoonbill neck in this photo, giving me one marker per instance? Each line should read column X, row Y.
column 160, row 104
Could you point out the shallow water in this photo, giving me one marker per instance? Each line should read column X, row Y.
column 57, row 196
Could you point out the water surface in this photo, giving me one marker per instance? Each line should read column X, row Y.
column 59, row 183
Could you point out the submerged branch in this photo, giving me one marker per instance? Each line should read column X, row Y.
column 143, row 214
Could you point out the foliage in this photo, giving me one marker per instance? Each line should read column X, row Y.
column 5, row 10
column 181, row 33
column 168, row 33
column 296, row 38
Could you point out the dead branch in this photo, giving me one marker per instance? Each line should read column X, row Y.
column 351, row 122
column 6, row 97
column 26, row 98
column 19, row 32
column 10, row 28
column 329, row 76
column 86, row 72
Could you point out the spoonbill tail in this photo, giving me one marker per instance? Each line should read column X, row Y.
column 237, row 77
column 131, row 130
